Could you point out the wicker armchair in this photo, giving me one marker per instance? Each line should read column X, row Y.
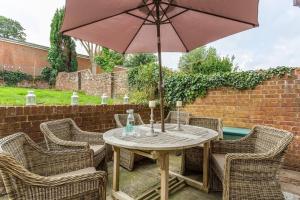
column 192, row 159
column 29, row 172
column 172, row 117
column 127, row 158
column 64, row 135
column 249, row 167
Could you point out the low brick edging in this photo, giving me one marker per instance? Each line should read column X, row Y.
column 27, row 119
column 274, row 103
column 98, row 118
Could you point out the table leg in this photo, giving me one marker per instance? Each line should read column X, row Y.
column 116, row 169
column 164, row 177
column 206, row 166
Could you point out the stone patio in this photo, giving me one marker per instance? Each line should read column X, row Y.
column 146, row 176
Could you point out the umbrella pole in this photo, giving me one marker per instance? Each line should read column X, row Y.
column 161, row 87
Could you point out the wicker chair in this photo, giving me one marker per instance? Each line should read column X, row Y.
column 172, row 117
column 29, row 172
column 248, row 168
column 64, row 135
column 127, row 158
column 192, row 159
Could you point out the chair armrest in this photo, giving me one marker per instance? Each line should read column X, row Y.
column 243, row 145
column 51, row 163
column 254, row 159
column 48, row 163
column 89, row 137
column 86, row 136
column 57, row 144
column 32, row 182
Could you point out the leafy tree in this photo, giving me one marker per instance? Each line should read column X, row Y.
column 49, row 74
column 145, row 79
column 11, row 29
column 205, row 61
column 137, row 60
column 62, row 54
column 108, row 59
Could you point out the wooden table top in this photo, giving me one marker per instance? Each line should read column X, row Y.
column 190, row 136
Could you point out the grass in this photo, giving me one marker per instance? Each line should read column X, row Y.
column 16, row 96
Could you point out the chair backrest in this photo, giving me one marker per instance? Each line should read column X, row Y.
column 206, row 122
column 267, row 139
column 172, row 117
column 15, row 145
column 121, row 119
column 62, row 129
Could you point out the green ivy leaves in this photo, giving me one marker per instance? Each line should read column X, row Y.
column 12, row 78
column 187, row 87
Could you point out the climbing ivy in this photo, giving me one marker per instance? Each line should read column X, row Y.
column 187, row 87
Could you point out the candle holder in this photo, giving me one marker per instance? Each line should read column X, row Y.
column 30, row 98
column 178, row 105
column 152, row 106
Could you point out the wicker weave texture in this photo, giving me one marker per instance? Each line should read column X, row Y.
column 65, row 135
column 192, row 159
column 252, row 164
column 25, row 169
column 127, row 158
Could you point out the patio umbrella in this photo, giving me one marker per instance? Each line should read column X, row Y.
column 136, row 26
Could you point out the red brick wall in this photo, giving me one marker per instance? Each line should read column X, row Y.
column 28, row 59
column 91, row 118
column 274, row 103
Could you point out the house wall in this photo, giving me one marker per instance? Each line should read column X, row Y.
column 30, row 58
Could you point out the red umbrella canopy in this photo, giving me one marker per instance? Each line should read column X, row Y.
column 129, row 26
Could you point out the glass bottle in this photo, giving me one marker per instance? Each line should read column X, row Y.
column 130, row 122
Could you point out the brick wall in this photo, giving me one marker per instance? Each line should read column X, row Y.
column 30, row 58
column 113, row 84
column 91, row 118
column 274, row 103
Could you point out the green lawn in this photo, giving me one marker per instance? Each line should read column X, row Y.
column 16, row 96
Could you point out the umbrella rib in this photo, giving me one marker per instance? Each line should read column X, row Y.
column 175, row 15
column 212, row 14
column 166, row 10
column 98, row 20
column 138, row 30
column 145, row 19
column 175, row 30
column 149, row 9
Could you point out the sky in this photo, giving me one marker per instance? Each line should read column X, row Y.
column 275, row 42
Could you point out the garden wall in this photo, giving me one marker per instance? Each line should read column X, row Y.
column 274, row 103
column 29, row 58
column 98, row 118
column 113, row 84
column 91, row 118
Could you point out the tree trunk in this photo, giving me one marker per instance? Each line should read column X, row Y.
column 94, row 67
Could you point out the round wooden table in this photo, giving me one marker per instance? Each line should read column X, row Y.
column 158, row 147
